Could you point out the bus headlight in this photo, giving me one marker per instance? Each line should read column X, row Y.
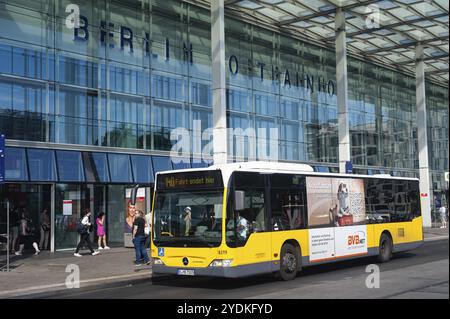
column 157, row 261
column 221, row 263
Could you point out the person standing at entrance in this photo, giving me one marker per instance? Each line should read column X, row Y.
column 84, row 229
column 27, row 234
column 443, row 213
column 139, row 239
column 14, row 220
column 101, row 234
column 45, row 229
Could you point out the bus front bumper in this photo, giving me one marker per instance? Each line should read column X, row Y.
column 225, row 272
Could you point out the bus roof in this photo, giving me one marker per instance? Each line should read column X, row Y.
column 276, row 167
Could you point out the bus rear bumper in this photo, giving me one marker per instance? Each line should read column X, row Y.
column 225, row 272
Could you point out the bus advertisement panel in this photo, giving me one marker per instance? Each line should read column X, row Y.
column 332, row 204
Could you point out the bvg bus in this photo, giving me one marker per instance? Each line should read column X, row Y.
column 243, row 219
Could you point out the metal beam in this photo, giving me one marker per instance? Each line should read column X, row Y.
column 394, row 25
column 428, row 58
column 437, row 71
column 327, row 12
column 231, row 2
column 407, row 45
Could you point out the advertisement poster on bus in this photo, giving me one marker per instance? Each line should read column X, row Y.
column 335, row 201
column 337, row 242
column 336, row 212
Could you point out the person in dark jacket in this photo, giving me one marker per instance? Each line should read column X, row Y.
column 27, row 234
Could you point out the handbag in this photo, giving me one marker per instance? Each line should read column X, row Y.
column 45, row 227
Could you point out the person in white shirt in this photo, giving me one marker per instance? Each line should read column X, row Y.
column 85, row 235
column 242, row 227
column 147, row 229
column 443, row 213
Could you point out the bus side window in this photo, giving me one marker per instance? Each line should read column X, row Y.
column 414, row 199
column 288, row 194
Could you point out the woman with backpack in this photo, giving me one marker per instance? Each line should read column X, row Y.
column 84, row 228
column 27, row 234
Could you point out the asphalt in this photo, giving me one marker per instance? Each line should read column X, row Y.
column 421, row 273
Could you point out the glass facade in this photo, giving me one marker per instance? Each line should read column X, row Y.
column 126, row 77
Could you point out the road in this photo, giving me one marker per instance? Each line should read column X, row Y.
column 422, row 273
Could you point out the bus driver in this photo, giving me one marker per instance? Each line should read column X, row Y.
column 241, row 226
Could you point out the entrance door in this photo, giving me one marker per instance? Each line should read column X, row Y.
column 70, row 200
column 32, row 199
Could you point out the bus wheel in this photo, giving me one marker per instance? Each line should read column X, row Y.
column 385, row 248
column 289, row 262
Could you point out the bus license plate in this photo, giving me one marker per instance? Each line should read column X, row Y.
column 185, row 272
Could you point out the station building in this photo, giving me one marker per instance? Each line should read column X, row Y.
column 88, row 105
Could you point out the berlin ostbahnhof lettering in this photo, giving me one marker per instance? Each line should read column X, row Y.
column 126, row 37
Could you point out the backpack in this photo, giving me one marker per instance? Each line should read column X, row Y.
column 81, row 229
column 31, row 229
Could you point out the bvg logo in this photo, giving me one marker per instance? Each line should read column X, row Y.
column 356, row 239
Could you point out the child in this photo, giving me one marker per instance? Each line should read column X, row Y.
column 101, row 231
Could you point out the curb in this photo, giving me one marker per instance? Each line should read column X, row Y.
column 44, row 292
column 436, row 238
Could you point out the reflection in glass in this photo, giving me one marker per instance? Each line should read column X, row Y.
column 41, row 165
column 70, row 166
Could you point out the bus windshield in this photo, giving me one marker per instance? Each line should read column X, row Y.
column 188, row 218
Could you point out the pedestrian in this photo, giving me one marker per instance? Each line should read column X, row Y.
column 84, row 227
column 45, row 229
column 443, row 213
column 14, row 220
column 27, row 234
column 139, row 239
column 147, row 229
column 101, row 234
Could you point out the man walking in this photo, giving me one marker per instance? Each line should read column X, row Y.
column 84, row 228
column 139, row 239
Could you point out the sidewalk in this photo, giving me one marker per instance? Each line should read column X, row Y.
column 46, row 272
column 32, row 274
column 435, row 233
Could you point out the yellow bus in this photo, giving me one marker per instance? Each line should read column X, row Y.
column 243, row 219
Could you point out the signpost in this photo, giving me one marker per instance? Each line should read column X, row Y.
column 2, row 158
column 2, row 181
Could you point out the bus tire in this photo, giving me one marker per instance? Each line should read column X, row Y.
column 385, row 248
column 289, row 262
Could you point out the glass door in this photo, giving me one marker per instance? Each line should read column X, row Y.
column 69, row 202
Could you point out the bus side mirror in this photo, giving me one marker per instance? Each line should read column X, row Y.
column 239, row 200
column 133, row 195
